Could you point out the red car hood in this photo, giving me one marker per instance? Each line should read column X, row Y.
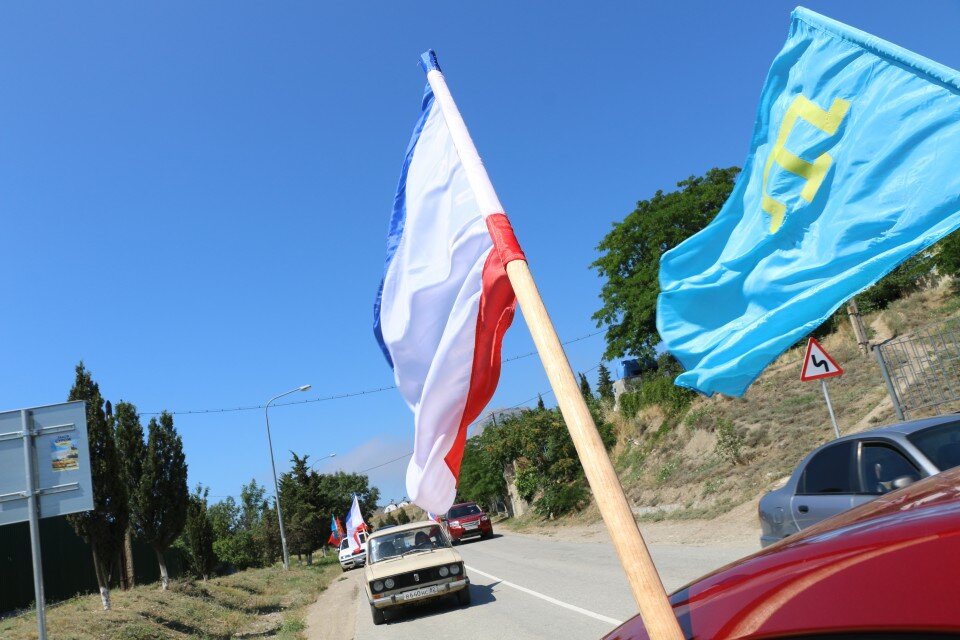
column 890, row 564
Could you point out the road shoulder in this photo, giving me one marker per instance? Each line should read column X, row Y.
column 334, row 615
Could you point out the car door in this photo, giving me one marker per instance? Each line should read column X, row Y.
column 827, row 485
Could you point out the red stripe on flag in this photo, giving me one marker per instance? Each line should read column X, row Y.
column 497, row 303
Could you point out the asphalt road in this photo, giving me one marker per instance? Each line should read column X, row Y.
column 526, row 587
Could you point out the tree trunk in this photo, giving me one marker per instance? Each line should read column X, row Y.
column 309, row 557
column 128, row 557
column 164, row 578
column 101, row 578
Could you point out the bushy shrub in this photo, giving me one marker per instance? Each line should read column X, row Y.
column 558, row 499
column 729, row 442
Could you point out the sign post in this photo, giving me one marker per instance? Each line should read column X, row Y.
column 818, row 365
column 44, row 472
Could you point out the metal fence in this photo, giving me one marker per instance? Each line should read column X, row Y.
column 67, row 564
column 922, row 370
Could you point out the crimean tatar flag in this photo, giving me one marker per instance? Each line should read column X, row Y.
column 445, row 301
column 854, row 166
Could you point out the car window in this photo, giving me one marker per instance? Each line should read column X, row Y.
column 941, row 444
column 883, row 464
column 345, row 543
column 463, row 511
column 426, row 538
column 830, row 471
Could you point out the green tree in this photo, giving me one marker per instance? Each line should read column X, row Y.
column 629, row 261
column 304, row 507
column 540, row 405
column 585, row 390
column 481, row 473
column 162, row 495
column 912, row 275
column 102, row 528
column 199, row 533
column 132, row 450
column 390, row 519
column 947, row 258
column 604, row 383
column 402, row 517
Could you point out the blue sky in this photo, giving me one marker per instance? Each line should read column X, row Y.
column 194, row 196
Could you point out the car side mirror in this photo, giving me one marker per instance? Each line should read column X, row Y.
column 903, row 481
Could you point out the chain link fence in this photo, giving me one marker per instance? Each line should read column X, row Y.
column 922, row 370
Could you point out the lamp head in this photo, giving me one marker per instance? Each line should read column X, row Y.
column 304, row 387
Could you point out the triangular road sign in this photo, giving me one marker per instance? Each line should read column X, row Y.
column 817, row 363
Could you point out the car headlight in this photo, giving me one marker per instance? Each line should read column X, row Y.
column 455, row 569
column 454, row 523
column 389, row 583
column 378, row 586
column 484, row 518
column 444, row 572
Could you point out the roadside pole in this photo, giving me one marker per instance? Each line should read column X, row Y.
column 833, row 418
column 30, row 465
column 645, row 583
column 818, row 365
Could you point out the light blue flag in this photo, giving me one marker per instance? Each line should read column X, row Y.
column 854, row 166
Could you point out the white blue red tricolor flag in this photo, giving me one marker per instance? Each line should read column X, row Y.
column 445, row 301
column 355, row 525
column 336, row 532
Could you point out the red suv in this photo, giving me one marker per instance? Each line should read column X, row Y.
column 467, row 519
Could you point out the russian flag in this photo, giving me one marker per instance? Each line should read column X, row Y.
column 445, row 302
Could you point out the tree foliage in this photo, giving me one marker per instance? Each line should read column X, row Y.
column 162, row 495
column 537, row 441
column 604, row 383
column 199, row 535
column 630, row 254
column 104, row 527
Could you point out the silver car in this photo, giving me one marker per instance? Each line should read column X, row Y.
column 849, row 471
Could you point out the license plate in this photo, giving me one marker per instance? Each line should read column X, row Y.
column 420, row 593
column 471, row 525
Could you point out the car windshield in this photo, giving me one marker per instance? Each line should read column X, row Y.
column 463, row 511
column 941, row 444
column 394, row 545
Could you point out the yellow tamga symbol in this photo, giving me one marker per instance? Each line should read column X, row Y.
column 813, row 173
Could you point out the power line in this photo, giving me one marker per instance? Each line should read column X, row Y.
column 338, row 396
column 490, row 413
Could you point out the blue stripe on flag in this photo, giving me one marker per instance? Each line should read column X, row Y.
column 399, row 216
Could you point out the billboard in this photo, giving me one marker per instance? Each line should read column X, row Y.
column 61, row 461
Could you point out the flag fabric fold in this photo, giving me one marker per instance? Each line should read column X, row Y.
column 336, row 532
column 444, row 303
column 355, row 525
column 852, row 169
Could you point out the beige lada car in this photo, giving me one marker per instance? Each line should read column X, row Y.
column 412, row 563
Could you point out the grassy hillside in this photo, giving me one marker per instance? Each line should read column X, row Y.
column 718, row 453
column 266, row 602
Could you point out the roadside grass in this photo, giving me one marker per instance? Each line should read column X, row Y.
column 257, row 603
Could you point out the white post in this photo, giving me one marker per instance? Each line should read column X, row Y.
column 833, row 418
column 33, row 508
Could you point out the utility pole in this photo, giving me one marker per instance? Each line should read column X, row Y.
column 859, row 331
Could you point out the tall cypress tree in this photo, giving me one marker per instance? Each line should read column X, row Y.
column 199, row 531
column 162, row 494
column 132, row 450
column 104, row 527
column 585, row 388
column 604, row 383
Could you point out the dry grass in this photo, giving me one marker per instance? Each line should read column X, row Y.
column 672, row 469
column 262, row 603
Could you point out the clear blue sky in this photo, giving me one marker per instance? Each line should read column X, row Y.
column 194, row 196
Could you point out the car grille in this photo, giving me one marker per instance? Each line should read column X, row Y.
column 405, row 580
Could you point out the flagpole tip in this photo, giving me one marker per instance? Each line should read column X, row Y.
column 428, row 61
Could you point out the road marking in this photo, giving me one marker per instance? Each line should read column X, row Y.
column 542, row 596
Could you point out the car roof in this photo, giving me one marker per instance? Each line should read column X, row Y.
column 911, row 426
column 404, row 527
column 793, row 587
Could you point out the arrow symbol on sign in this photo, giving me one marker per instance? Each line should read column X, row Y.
column 819, row 363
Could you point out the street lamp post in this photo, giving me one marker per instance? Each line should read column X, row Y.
column 319, row 460
column 273, row 465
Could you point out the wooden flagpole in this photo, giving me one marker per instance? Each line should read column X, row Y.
column 645, row 583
